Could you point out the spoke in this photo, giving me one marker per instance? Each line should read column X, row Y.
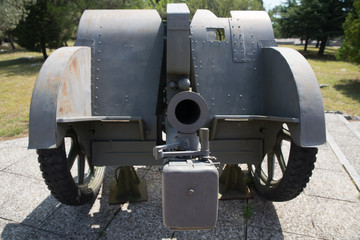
column 258, row 170
column 281, row 161
column 285, row 135
column 280, row 156
column 73, row 153
column 91, row 167
column 81, row 168
column 270, row 168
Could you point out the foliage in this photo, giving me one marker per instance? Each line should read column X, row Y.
column 274, row 14
column 332, row 16
column 49, row 25
column 159, row 5
column 247, row 211
column 350, row 50
column 117, row 4
column 11, row 12
column 313, row 19
column 220, row 8
column 82, row 5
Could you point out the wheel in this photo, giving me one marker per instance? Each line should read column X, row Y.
column 285, row 169
column 69, row 183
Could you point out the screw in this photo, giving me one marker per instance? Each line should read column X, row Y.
column 191, row 192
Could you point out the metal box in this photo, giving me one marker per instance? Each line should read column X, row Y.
column 189, row 192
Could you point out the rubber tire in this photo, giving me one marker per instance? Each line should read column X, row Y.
column 58, row 178
column 297, row 174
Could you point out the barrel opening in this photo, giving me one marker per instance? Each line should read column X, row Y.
column 187, row 112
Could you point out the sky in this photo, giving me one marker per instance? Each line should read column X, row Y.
column 269, row 4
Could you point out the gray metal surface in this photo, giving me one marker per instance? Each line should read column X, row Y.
column 224, row 75
column 123, row 153
column 127, row 50
column 178, row 41
column 190, row 195
column 187, row 112
column 189, row 187
column 229, row 86
column 237, row 76
column 237, row 151
column 62, row 89
column 294, row 93
column 233, row 69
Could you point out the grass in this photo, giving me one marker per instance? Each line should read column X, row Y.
column 19, row 69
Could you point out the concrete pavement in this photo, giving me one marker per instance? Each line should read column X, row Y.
column 329, row 208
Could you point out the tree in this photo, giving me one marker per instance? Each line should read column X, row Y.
column 222, row 8
column 350, row 49
column 332, row 16
column 11, row 12
column 307, row 17
column 159, row 5
column 49, row 25
column 297, row 20
column 288, row 18
column 274, row 14
column 313, row 19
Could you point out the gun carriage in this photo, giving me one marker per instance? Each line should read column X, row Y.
column 137, row 90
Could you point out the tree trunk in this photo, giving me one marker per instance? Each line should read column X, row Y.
column 306, row 44
column 43, row 50
column 43, row 47
column 322, row 46
column 11, row 41
column 317, row 43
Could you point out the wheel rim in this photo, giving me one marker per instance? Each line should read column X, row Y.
column 80, row 166
column 271, row 170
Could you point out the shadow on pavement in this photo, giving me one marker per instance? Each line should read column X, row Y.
column 139, row 220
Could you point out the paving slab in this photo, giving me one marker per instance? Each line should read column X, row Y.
column 41, row 234
column 17, row 149
column 326, row 160
column 355, row 125
column 332, row 184
column 223, row 230
column 335, row 219
column 15, row 230
column 81, row 222
column 25, row 199
column 255, row 233
column 329, row 207
column 345, row 138
column 298, row 209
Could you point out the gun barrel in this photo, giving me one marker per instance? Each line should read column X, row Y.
column 187, row 112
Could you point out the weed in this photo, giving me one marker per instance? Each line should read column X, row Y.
column 247, row 211
column 102, row 233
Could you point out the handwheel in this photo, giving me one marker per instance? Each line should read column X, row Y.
column 70, row 183
column 285, row 169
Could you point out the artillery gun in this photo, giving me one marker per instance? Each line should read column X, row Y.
column 137, row 90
